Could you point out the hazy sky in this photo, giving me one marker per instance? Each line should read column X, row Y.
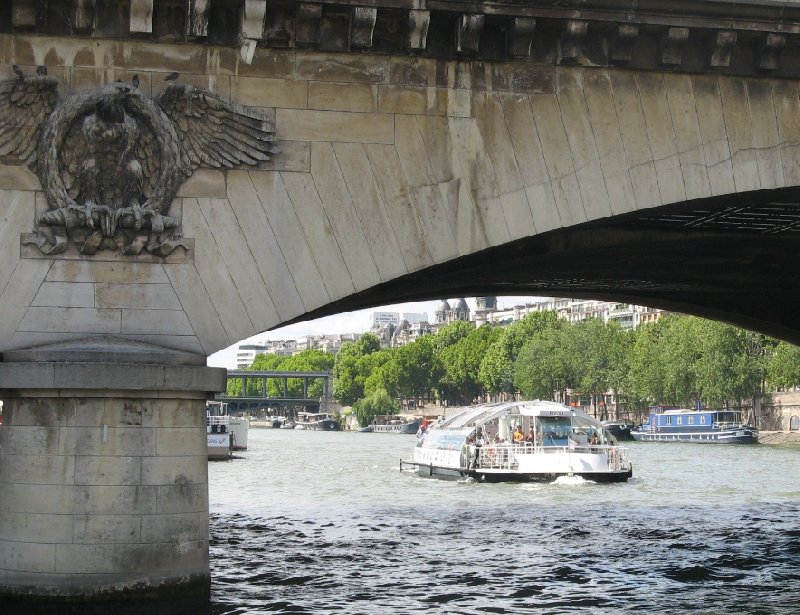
column 346, row 322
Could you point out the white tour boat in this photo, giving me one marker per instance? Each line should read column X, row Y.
column 520, row 441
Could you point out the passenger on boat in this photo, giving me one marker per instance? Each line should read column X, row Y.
column 519, row 437
column 531, row 436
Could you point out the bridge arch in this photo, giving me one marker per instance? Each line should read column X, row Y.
column 387, row 191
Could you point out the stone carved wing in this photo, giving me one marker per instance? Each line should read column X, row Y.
column 215, row 132
column 25, row 105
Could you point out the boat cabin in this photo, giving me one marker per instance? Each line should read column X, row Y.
column 701, row 419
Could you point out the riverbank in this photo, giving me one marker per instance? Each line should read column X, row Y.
column 779, row 437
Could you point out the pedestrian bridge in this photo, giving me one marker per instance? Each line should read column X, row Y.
column 289, row 389
column 176, row 177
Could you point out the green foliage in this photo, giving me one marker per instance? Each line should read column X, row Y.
column 306, row 361
column 783, row 366
column 378, row 402
column 544, row 365
column 683, row 359
column 675, row 361
column 352, row 367
column 461, row 362
column 496, row 373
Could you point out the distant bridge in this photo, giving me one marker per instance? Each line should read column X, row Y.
column 255, row 390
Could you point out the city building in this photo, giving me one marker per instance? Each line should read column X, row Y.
column 394, row 329
column 379, row 319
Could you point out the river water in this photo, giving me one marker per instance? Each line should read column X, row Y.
column 325, row 522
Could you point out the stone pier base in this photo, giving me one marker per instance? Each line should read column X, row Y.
column 103, row 475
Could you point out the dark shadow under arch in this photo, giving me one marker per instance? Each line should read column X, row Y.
column 734, row 258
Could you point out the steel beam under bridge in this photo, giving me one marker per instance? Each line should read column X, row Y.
column 255, row 391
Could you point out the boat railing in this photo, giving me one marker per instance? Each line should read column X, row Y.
column 504, row 456
column 217, row 423
column 729, row 424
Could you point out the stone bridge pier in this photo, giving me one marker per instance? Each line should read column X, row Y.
column 103, row 471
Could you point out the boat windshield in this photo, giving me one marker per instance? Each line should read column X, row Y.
column 555, row 430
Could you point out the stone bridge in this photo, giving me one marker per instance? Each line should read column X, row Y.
column 619, row 149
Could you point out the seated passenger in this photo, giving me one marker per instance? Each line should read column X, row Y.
column 530, row 437
column 518, row 437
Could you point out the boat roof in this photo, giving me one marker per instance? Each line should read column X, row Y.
column 471, row 416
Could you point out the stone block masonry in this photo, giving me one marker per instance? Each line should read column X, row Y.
column 103, row 476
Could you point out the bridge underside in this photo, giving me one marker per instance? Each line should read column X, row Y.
column 734, row 258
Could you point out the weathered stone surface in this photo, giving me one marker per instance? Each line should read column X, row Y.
column 765, row 133
column 239, row 262
column 199, row 306
column 405, row 99
column 33, row 528
column 297, row 247
column 560, row 167
column 81, row 320
column 347, row 227
column 106, row 529
column 343, row 68
column 530, row 160
column 327, row 96
column 633, row 129
column 400, row 207
column 662, row 138
column 66, row 294
column 136, row 296
column 739, row 128
column 581, row 139
column 716, row 149
column 248, row 210
column 211, row 269
column 15, row 177
column 259, row 92
column 98, row 500
column 370, row 209
column 106, row 272
column 296, row 125
column 608, row 139
column 423, row 190
column 787, row 108
column 203, row 183
column 680, row 99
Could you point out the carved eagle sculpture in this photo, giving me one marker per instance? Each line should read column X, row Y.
column 111, row 159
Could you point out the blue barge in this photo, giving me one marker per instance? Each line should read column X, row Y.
column 681, row 425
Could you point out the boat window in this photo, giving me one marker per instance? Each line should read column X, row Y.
column 691, row 420
column 442, row 441
column 679, row 420
column 555, row 430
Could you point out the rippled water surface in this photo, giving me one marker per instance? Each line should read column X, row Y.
column 321, row 522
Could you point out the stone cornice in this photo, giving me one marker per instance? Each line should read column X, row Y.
column 742, row 38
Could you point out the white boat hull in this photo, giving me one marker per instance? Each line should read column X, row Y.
column 239, row 427
column 219, row 446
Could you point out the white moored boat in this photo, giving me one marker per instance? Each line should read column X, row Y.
column 520, row 441
column 224, row 433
